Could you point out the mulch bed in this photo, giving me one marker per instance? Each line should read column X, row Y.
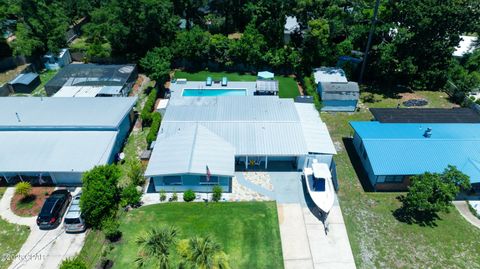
column 31, row 205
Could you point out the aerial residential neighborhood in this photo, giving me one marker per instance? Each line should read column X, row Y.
column 239, row 134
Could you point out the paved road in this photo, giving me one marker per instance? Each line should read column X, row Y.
column 43, row 249
column 305, row 244
column 462, row 207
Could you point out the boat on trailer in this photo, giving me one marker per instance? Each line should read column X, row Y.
column 320, row 185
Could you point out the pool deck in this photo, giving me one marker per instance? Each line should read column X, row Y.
column 176, row 89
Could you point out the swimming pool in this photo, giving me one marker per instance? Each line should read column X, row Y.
column 214, row 92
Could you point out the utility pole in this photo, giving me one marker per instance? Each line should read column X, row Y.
column 369, row 42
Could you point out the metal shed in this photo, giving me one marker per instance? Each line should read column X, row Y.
column 25, row 83
column 266, row 87
column 339, row 96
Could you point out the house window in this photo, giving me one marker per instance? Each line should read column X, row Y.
column 172, row 180
column 394, row 179
column 214, row 180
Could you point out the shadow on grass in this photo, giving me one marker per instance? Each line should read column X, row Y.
column 421, row 218
column 385, row 91
column 28, row 199
column 357, row 164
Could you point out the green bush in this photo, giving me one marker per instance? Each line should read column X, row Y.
column 188, row 196
column 75, row 263
column 311, row 90
column 163, row 195
column 100, row 194
column 174, row 197
column 130, row 196
column 135, row 173
column 110, row 228
column 156, row 121
column 23, row 188
column 216, row 193
column 146, row 114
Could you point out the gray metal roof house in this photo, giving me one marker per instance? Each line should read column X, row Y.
column 54, row 140
column 225, row 134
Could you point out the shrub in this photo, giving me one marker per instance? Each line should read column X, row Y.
column 110, row 228
column 156, row 121
column 188, row 196
column 130, row 196
column 23, row 188
column 100, row 194
column 216, row 193
column 174, row 197
column 75, row 263
column 135, row 173
column 163, row 195
column 146, row 114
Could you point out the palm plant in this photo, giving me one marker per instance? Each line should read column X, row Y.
column 155, row 245
column 203, row 253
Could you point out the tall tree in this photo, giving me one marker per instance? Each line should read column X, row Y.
column 133, row 27
column 155, row 247
column 156, row 64
column 423, row 36
column 193, row 45
column 41, row 27
column 189, row 10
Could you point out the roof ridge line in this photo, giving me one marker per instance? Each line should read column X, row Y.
column 193, row 148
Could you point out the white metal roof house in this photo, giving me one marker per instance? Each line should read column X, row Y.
column 233, row 133
column 335, row 91
column 55, row 140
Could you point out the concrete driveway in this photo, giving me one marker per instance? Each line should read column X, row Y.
column 305, row 242
column 43, row 249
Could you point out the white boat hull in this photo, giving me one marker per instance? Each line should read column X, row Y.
column 323, row 199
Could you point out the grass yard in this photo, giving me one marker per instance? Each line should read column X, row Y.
column 248, row 232
column 12, row 238
column 45, row 76
column 287, row 85
column 378, row 240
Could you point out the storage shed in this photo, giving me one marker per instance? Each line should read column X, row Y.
column 339, row 96
column 25, row 83
column 54, row 62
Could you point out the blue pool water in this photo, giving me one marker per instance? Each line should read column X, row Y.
column 219, row 92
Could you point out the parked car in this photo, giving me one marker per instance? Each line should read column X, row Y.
column 53, row 209
column 73, row 221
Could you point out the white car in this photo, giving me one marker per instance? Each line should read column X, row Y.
column 74, row 222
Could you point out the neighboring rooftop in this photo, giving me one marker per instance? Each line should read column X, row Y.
column 91, row 75
column 425, row 115
column 329, row 74
column 52, row 151
column 403, row 148
column 68, row 113
column 24, row 79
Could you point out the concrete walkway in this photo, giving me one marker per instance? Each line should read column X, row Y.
column 42, row 249
column 305, row 242
column 462, row 207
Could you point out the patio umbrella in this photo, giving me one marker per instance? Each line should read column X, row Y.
column 265, row 75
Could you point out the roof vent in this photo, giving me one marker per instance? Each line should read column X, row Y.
column 18, row 117
column 428, row 133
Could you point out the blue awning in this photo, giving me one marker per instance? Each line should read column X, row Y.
column 265, row 75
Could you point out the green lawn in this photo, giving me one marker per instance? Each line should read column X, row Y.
column 378, row 240
column 45, row 76
column 287, row 86
column 248, row 232
column 12, row 238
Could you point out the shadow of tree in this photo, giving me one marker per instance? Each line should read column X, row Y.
column 28, row 199
column 421, row 218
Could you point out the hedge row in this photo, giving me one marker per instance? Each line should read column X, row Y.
column 311, row 89
column 146, row 113
column 156, row 121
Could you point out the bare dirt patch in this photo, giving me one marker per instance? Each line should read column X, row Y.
column 31, row 205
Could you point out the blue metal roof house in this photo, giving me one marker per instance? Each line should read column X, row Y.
column 393, row 152
column 54, row 140
column 335, row 91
